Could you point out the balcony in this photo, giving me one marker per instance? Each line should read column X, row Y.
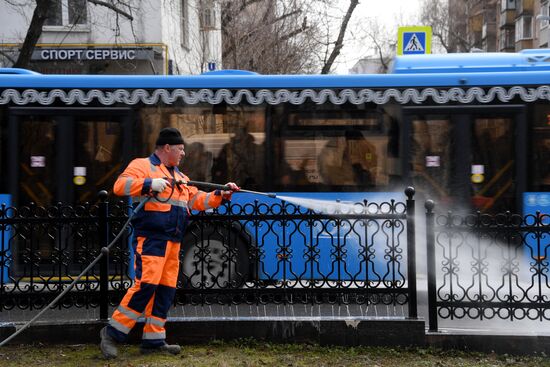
column 507, row 18
column 525, row 7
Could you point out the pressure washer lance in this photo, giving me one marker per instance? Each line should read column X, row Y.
column 213, row 186
column 105, row 250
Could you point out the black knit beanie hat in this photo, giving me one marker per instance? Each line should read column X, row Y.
column 169, row 135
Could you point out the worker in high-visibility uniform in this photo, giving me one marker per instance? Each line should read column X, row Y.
column 158, row 229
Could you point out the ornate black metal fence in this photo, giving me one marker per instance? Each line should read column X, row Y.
column 360, row 253
column 487, row 266
column 43, row 249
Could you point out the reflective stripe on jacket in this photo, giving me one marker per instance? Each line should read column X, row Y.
column 157, row 219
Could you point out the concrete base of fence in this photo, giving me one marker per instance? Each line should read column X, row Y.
column 344, row 331
column 324, row 331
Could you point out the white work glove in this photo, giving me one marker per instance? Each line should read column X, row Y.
column 159, row 184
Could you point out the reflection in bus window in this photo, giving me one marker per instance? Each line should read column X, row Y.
column 335, row 149
column 37, row 166
column 542, row 162
column 240, row 159
column 345, row 161
column 430, row 160
column 97, row 149
column 200, row 162
column 221, row 144
column 540, row 157
column 493, row 152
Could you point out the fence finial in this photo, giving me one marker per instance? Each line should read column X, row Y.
column 409, row 191
column 429, row 205
column 102, row 195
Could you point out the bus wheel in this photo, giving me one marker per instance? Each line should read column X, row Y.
column 215, row 259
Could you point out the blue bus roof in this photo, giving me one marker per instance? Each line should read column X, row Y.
column 524, row 68
column 526, row 60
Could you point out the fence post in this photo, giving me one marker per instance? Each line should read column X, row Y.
column 3, row 256
column 104, row 262
column 411, row 253
column 430, row 250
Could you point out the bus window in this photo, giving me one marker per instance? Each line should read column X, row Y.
column 541, row 162
column 540, row 155
column 492, row 157
column 37, row 161
column 430, row 159
column 222, row 144
column 98, row 153
column 333, row 150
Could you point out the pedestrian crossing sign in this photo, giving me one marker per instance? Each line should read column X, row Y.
column 414, row 40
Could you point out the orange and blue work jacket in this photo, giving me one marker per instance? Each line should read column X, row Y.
column 158, row 219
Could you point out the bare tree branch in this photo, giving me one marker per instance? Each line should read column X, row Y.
column 261, row 28
column 34, row 31
column 228, row 13
column 7, row 56
column 449, row 23
column 340, row 40
column 383, row 59
column 113, row 8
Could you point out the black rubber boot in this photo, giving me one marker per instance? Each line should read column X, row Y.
column 108, row 345
column 166, row 348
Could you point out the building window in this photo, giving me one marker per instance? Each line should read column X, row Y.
column 208, row 15
column 208, row 18
column 524, row 28
column 184, row 23
column 67, row 12
column 544, row 11
column 507, row 5
column 506, row 39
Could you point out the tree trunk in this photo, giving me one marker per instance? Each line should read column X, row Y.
column 340, row 41
column 33, row 34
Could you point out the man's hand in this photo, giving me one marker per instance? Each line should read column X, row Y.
column 227, row 194
column 159, row 184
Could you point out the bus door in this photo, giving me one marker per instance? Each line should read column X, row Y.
column 63, row 155
column 467, row 158
column 66, row 155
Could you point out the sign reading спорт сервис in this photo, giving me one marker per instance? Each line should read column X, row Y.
column 61, row 54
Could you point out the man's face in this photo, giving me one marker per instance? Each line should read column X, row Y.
column 175, row 154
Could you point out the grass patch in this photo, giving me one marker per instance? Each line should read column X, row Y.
column 250, row 352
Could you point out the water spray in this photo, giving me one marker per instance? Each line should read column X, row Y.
column 322, row 206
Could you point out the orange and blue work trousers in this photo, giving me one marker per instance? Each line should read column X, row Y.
column 156, row 274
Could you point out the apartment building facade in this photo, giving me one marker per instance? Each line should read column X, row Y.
column 506, row 25
column 131, row 37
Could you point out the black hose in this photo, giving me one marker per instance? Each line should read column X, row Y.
column 105, row 250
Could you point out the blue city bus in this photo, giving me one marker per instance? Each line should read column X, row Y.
column 470, row 131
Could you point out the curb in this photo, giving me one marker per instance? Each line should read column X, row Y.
column 344, row 332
